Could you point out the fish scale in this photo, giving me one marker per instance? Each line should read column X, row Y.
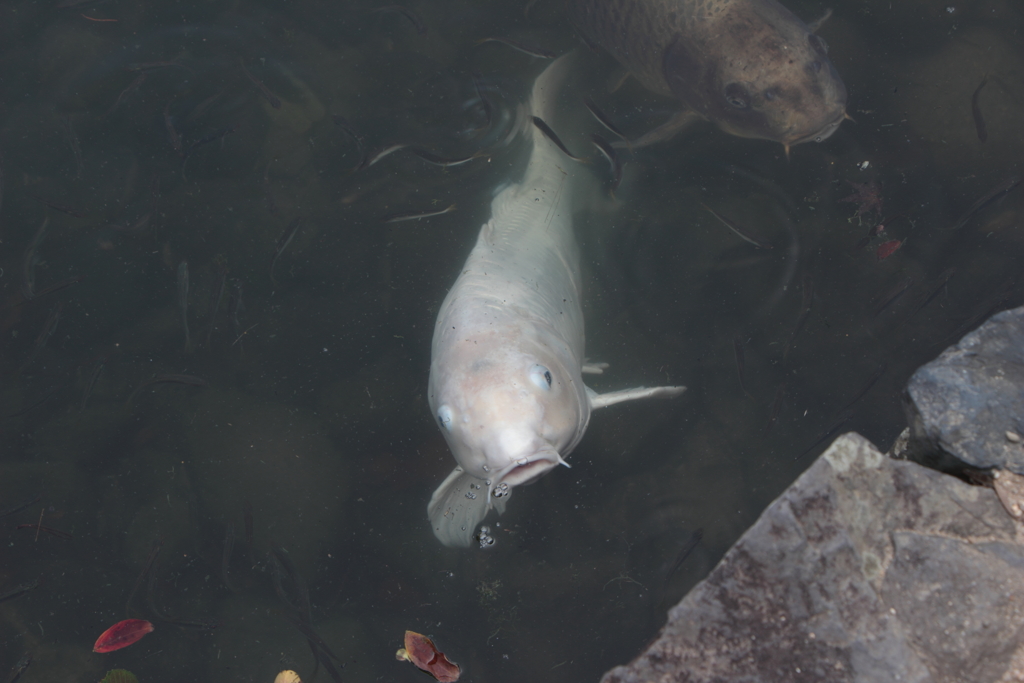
column 506, row 384
column 750, row 66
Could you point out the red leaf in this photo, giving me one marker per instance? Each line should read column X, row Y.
column 886, row 249
column 122, row 634
column 420, row 651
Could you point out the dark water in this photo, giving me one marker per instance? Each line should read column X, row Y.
column 315, row 416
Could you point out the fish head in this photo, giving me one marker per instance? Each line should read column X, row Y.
column 508, row 414
column 760, row 72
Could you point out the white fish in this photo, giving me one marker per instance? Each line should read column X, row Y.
column 506, row 366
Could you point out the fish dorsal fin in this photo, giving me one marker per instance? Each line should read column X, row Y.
column 487, row 232
column 817, row 23
column 458, row 505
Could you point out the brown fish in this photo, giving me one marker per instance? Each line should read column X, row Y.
column 750, row 66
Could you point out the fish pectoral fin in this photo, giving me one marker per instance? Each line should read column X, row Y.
column 594, row 368
column 819, row 22
column 613, row 397
column 458, row 505
column 500, row 503
column 680, row 121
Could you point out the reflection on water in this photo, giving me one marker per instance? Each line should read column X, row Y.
column 133, row 131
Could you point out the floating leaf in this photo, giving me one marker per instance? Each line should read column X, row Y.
column 420, row 651
column 120, row 676
column 122, row 634
column 886, row 249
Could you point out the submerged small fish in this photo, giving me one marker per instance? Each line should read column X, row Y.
column 979, row 120
column 415, row 19
column 76, row 148
column 183, row 301
column 996, row 192
column 840, row 419
column 506, row 383
column 49, row 327
column 444, row 162
column 416, row 215
column 172, row 132
column 28, row 286
column 516, row 45
column 1, row 191
column 875, row 376
column 97, row 370
column 807, row 287
column 776, row 408
column 20, row 506
column 609, row 153
column 553, row 136
column 741, row 363
column 684, row 552
column 940, row 285
column 19, row 590
column 19, row 668
column 282, row 243
column 63, row 208
column 134, row 85
column 218, row 134
column 750, row 66
column 369, row 160
column 899, row 289
column 270, row 97
column 740, row 232
column 603, row 119
column 188, row 380
column 50, row 530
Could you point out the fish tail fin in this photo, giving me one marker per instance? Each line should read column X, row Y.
column 458, row 505
column 555, row 100
column 545, row 95
column 557, row 106
column 551, row 127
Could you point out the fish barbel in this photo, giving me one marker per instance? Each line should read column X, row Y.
column 507, row 357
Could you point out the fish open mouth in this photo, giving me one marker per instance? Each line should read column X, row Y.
column 528, row 470
column 822, row 134
column 526, row 473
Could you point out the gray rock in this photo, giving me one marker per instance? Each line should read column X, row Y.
column 967, row 405
column 865, row 569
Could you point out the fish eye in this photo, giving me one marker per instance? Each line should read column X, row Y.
column 818, row 43
column 444, row 417
column 540, row 376
column 737, row 96
column 770, row 94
